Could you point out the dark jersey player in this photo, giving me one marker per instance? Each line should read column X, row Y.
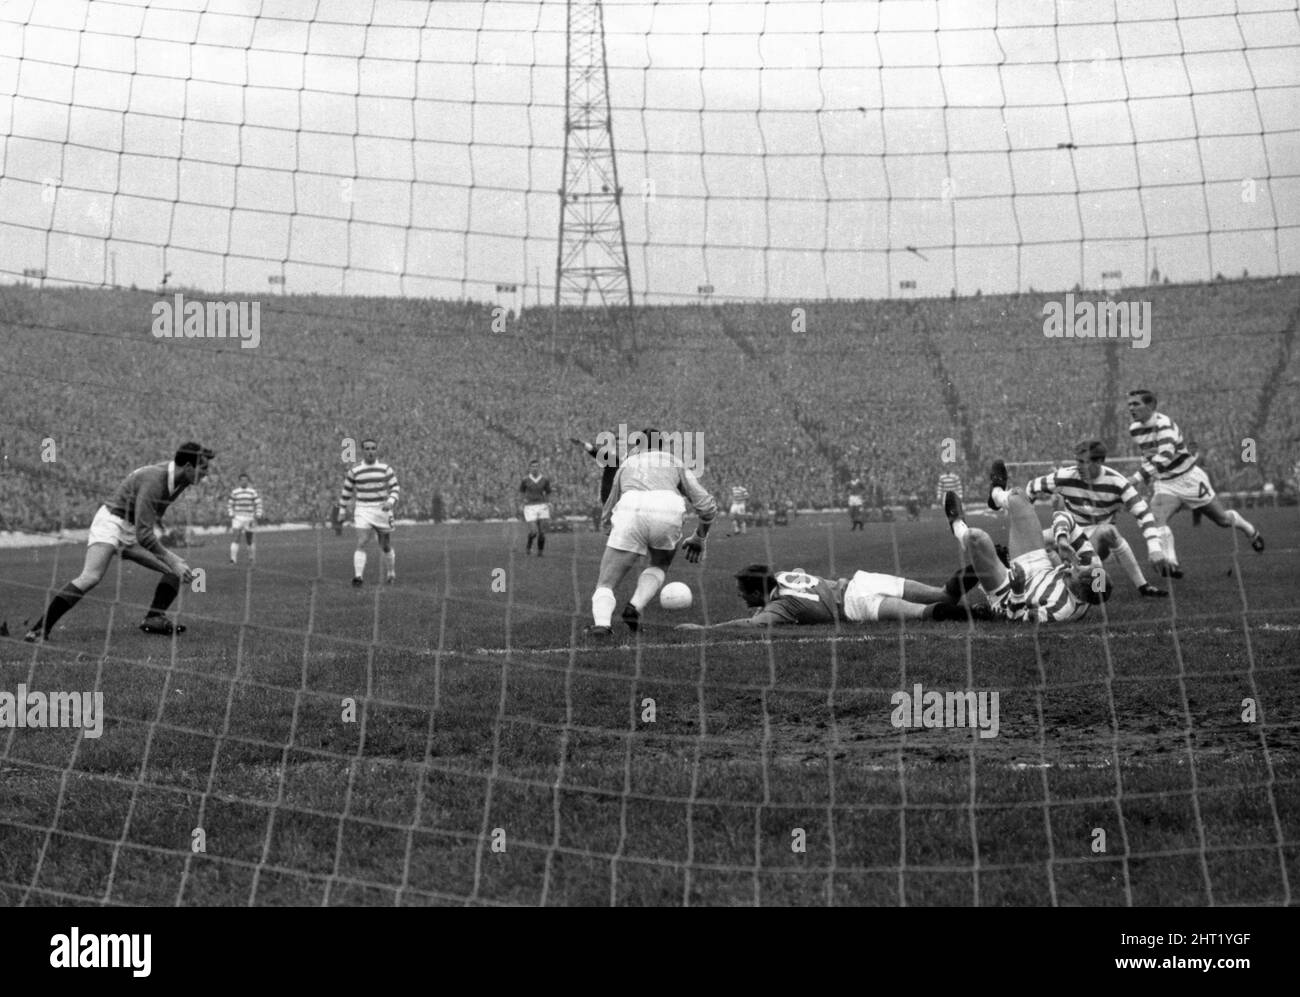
column 792, row 598
column 535, row 494
column 129, row 524
column 609, row 459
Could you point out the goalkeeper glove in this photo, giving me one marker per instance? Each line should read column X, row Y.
column 694, row 548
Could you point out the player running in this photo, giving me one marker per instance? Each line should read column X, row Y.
column 1033, row 588
column 1093, row 493
column 244, row 508
column 644, row 511
column 129, row 523
column 536, row 493
column 371, row 489
column 785, row 598
column 1178, row 481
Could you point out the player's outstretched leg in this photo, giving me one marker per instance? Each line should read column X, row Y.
column 1106, row 540
column 977, row 545
column 98, row 558
column 1232, row 519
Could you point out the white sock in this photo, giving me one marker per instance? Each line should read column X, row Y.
column 646, row 586
column 390, row 564
column 1167, row 541
column 999, row 497
column 359, row 564
column 602, row 606
column 1239, row 521
column 959, row 530
column 1124, row 554
column 234, row 551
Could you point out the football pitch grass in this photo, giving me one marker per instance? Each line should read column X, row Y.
column 494, row 758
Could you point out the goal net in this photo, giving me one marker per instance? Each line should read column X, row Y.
column 866, row 242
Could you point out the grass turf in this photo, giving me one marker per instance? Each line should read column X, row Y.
column 496, row 759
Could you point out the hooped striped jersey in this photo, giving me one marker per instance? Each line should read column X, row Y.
column 1164, row 452
column 1095, row 502
column 370, row 484
column 244, row 502
column 949, row 482
column 1046, row 596
column 739, row 494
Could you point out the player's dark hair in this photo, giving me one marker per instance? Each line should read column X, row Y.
column 654, row 439
column 1148, row 397
column 1091, row 448
column 755, row 582
column 369, row 440
column 191, row 454
column 244, row 474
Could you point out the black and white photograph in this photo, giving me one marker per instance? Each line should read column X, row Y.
column 651, row 453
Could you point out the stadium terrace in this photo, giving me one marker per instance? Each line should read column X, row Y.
column 1103, row 320
column 208, row 320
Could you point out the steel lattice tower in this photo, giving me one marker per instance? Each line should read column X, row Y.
column 592, row 251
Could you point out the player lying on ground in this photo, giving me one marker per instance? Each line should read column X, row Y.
column 129, row 524
column 1093, row 494
column 1178, row 481
column 1034, row 587
column 644, row 513
column 785, row 598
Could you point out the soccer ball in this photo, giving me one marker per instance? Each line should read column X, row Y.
column 676, row 595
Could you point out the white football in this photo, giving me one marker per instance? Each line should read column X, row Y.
column 676, row 595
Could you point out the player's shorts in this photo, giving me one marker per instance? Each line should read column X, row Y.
column 534, row 511
column 855, row 501
column 372, row 515
column 738, row 509
column 644, row 520
column 866, row 591
column 243, row 524
column 106, row 528
column 1192, row 488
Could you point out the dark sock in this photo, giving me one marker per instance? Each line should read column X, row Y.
column 530, row 542
column 943, row 611
column 960, row 583
column 164, row 595
column 541, row 542
column 64, row 599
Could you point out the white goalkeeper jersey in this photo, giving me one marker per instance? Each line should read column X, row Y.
column 657, row 471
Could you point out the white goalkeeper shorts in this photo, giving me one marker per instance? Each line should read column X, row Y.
column 1192, row 488
column 855, row 501
column 372, row 515
column 106, row 528
column 737, row 509
column 866, row 592
column 645, row 520
column 534, row 511
column 243, row 524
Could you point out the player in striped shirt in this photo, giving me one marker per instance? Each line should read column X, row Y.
column 1093, row 494
column 371, row 488
column 739, row 510
column 129, row 523
column 949, row 481
column 1033, row 588
column 244, row 508
column 1176, row 479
